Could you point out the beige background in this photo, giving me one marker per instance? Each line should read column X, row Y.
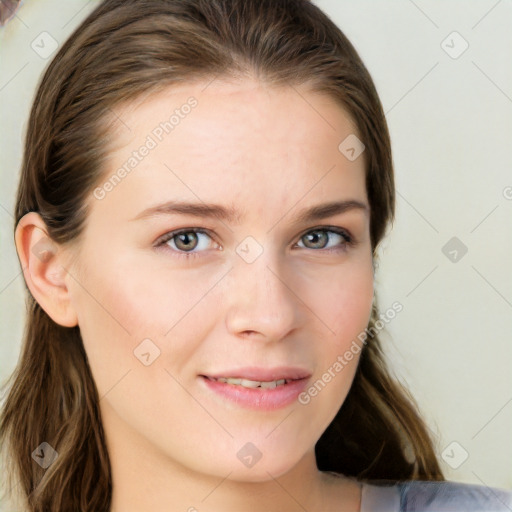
column 450, row 117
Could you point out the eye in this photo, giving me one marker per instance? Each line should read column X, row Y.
column 319, row 238
column 189, row 242
column 185, row 241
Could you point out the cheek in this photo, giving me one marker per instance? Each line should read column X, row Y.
column 345, row 309
column 345, row 303
column 120, row 309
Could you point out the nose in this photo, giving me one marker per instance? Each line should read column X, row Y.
column 262, row 300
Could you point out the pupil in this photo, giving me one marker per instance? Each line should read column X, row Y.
column 315, row 235
column 186, row 239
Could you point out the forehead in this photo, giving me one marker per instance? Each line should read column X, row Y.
column 241, row 109
column 240, row 140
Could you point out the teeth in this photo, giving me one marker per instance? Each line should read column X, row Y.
column 253, row 383
column 249, row 383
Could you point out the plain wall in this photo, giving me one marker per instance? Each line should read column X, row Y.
column 450, row 116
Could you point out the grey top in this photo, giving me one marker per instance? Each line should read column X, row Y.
column 420, row 496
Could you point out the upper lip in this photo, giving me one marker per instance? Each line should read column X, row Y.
column 260, row 374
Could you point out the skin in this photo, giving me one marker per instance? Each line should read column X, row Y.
column 268, row 152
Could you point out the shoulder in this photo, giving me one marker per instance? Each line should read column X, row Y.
column 424, row 496
column 453, row 496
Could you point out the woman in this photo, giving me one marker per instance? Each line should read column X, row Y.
column 204, row 186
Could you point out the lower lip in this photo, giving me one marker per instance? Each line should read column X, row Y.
column 258, row 398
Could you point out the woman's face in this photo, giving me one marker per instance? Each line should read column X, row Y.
column 263, row 290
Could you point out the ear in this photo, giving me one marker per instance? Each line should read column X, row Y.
column 44, row 269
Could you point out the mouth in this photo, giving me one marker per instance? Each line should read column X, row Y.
column 251, row 384
column 253, row 377
column 258, row 388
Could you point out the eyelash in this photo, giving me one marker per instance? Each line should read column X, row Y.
column 349, row 241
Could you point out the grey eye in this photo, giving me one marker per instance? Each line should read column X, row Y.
column 320, row 238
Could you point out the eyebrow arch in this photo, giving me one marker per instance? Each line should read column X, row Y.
column 231, row 215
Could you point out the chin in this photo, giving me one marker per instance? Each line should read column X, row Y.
column 263, row 471
column 273, row 463
column 241, row 468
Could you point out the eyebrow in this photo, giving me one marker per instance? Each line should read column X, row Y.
column 231, row 215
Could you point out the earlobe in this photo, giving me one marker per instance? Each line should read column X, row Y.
column 42, row 261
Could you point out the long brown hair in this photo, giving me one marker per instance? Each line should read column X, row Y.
column 123, row 49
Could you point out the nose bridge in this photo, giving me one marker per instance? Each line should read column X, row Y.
column 260, row 298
